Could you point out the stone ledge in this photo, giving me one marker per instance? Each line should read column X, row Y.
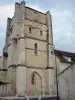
column 43, row 97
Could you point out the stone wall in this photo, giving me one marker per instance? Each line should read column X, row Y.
column 3, row 76
column 67, row 84
column 11, row 80
column 61, row 65
column 35, row 15
column 36, row 28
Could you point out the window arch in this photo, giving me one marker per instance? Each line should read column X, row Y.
column 33, row 78
column 35, row 49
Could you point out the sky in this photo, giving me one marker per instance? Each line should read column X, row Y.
column 63, row 20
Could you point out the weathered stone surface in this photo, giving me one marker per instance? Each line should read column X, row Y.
column 67, row 84
column 45, row 97
column 11, row 79
column 22, row 62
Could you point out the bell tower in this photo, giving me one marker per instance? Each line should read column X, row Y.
column 30, row 52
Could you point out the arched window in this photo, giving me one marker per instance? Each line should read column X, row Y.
column 33, row 79
column 30, row 30
column 40, row 32
column 35, row 49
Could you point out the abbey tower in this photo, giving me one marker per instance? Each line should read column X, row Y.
column 30, row 67
column 29, row 52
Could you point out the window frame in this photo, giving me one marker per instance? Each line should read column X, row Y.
column 33, row 79
column 36, row 49
column 41, row 33
column 30, row 29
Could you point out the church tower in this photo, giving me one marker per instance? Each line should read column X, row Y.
column 30, row 49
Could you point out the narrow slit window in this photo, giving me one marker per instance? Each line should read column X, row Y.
column 33, row 79
column 35, row 49
column 41, row 33
column 30, row 29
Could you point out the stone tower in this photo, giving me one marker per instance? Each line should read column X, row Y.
column 29, row 45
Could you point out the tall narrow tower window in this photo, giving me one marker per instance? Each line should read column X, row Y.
column 33, row 79
column 30, row 30
column 35, row 49
column 40, row 32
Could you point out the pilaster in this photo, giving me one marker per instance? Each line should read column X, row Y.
column 50, row 54
column 21, row 69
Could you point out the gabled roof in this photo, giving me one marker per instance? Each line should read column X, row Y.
column 63, row 54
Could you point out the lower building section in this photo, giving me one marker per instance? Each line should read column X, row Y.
column 33, row 81
column 25, row 81
column 50, row 82
column 11, row 80
column 21, row 81
column 30, row 81
column 3, row 89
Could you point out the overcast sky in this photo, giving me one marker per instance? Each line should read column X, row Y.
column 63, row 20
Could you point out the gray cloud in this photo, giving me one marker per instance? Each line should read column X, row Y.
column 63, row 22
column 63, row 29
